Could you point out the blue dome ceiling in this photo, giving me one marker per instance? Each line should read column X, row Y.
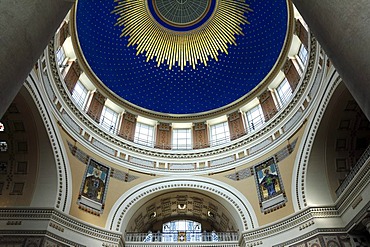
column 176, row 90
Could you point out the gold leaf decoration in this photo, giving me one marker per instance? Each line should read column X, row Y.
column 177, row 47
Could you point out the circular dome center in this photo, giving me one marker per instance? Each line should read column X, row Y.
column 181, row 12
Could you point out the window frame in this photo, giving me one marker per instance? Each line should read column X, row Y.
column 77, row 96
column 112, row 123
column 221, row 137
column 149, row 140
column 60, row 56
column 253, row 125
column 302, row 56
column 283, row 92
column 174, row 227
column 188, row 144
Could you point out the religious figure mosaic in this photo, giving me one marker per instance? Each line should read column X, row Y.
column 183, row 32
column 94, row 186
column 269, row 185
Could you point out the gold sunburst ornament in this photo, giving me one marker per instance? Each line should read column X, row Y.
column 181, row 32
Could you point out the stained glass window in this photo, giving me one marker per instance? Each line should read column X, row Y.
column 181, row 231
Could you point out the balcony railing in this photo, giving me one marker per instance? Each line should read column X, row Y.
column 360, row 163
column 182, row 237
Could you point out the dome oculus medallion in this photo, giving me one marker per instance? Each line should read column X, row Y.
column 181, row 56
column 180, row 12
column 181, row 32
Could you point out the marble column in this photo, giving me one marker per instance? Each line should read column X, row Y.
column 342, row 27
column 26, row 27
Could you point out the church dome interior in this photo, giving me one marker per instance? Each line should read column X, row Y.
column 184, row 123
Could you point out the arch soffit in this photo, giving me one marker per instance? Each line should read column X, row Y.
column 64, row 192
column 299, row 179
column 235, row 202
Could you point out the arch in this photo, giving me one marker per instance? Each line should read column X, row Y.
column 236, row 203
column 304, row 156
column 52, row 155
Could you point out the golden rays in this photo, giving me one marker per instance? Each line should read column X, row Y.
column 181, row 48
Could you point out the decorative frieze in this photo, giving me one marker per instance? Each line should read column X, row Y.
column 128, row 124
column 164, row 135
column 321, row 240
column 200, row 135
column 279, row 156
column 56, row 220
column 240, row 175
column 285, row 152
column 291, row 74
column 84, row 158
column 96, row 106
column 268, row 105
column 72, row 76
column 236, row 125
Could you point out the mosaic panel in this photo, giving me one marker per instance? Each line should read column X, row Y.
column 269, row 184
column 94, row 186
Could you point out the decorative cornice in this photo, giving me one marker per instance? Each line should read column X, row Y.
column 20, row 236
column 199, row 154
column 60, row 222
column 184, row 244
column 316, row 232
column 90, row 231
column 298, row 220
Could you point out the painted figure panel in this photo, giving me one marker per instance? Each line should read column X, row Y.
column 95, row 182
